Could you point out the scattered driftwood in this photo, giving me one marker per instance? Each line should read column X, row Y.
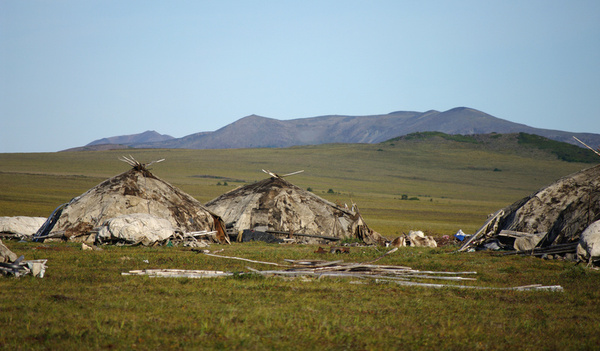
column 357, row 270
column 385, row 273
column 338, row 269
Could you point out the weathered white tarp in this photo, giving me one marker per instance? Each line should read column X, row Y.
column 21, row 225
column 589, row 243
column 137, row 228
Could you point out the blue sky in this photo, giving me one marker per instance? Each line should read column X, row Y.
column 75, row 71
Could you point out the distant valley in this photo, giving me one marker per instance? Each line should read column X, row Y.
column 261, row 132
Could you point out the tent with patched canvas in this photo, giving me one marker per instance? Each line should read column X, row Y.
column 133, row 203
column 274, row 205
column 549, row 221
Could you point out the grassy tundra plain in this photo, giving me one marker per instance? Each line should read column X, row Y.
column 84, row 302
column 453, row 185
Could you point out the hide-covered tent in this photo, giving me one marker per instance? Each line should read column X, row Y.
column 552, row 216
column 277, row 206
column 136, row 191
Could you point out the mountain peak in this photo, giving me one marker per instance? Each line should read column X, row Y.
column 145, row 137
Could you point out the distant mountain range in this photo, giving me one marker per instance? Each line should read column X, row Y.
column 259, row 132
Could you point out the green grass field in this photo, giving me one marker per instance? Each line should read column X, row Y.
column 84, row 302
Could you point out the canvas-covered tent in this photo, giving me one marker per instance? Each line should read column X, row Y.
column 276, row 205
column 552, row 216
column 136, row 191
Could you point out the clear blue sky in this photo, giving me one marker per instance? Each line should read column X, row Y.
column 75, row 71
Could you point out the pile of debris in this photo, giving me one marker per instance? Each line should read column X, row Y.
column 11, row 265
column 549, row 221
column 415, row 238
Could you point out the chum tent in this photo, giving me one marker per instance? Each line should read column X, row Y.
column 136, row 191
column 276, row 205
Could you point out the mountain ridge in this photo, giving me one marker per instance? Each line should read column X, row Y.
column 256, row 131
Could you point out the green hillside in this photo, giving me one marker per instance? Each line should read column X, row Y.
column 518, row 143
column 426, row 181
